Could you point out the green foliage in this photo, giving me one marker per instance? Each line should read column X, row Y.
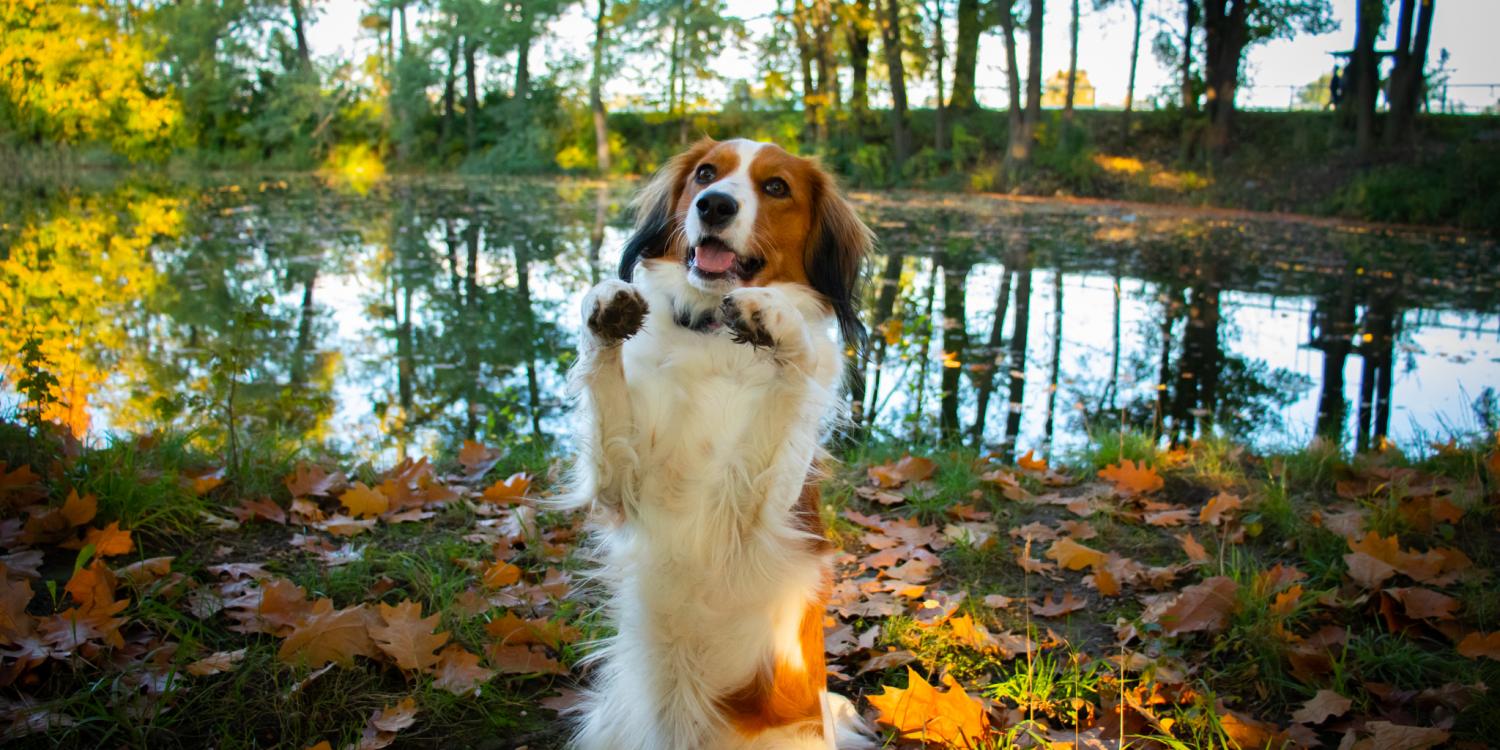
column 1461, row 188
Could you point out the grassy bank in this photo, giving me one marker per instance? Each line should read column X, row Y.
column 155, row 594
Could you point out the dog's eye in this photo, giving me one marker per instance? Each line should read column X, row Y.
column 706, row 174
column 777, row 188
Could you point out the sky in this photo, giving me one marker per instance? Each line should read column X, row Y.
column 1466, row 28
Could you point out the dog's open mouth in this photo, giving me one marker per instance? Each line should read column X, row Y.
column 713, row 259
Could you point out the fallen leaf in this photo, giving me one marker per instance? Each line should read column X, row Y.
column 1194, row 550
column 1202, row 607
column 1074, row 556
column 109, row 541
column 1368, row 571
column 1213, row 512
column 1131, row 478
column 407, row 637
column 145, row 571
column 363, row 502
column 328, row 635
column 79, row 510
column 522, row 660
column 508, row 491
column 1476, row 645
column 501, row 574
column 1050, row 607
column 222, row 661
column 307, row 480
column 1322, row 706
column 1169, row 517
column 887, row 660
column 908, row 469
column 458, row 671
column 1388, row 736
column 1031, row 463
column 1425, row 604
column 951, row 718
column 263, row 508
column 396, row 718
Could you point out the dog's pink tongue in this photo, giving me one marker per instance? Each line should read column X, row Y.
column 713, row 259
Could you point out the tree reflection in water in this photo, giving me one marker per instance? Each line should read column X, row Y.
column 431, row 311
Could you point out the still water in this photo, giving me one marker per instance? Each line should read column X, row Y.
column 424, row 311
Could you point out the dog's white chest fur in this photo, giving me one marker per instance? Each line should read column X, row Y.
column 698, row 448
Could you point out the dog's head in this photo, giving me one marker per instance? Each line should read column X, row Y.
column 740, row 213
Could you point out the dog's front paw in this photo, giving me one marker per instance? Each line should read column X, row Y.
column 764, row 318
column 613, row 311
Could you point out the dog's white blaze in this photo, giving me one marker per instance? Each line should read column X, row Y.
column 739, row 186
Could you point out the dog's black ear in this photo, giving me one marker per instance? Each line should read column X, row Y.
column 840, row 243
column 655, row 216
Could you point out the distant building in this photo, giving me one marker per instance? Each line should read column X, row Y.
column 1056, row 93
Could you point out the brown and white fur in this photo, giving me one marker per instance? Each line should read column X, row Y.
column 705, row 392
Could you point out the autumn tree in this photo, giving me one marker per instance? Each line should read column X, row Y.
column 970, row 21
column 69, row 73
column 1231, row 27
column 890, row 31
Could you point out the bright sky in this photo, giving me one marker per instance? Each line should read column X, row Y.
column 1104, row 49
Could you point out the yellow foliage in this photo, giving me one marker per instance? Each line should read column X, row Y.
column 68, row 279
column 71, row 75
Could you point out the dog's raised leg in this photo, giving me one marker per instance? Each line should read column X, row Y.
column 613, row 311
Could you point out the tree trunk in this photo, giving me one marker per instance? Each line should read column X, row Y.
column 471, row 97
column 1015, row 151
column 1072, row 66
column 1136, row 7
column 450, row 85
column 828, row 86
column 988, row 376
column 807, row 58
column 885, row 309
column 940, row 139
column 299, row 30
column 1408, row 78
column 1227, row 29
column 1057, row 326
column 1364, row 69
column 596, row 93
column 966, row 56
column 1333, row 333
column 1016, row 363
column 955, row 343
column 858, row 37
column 1033, row 77
column 1190, row 23
column 523, row 59
column 890, row 29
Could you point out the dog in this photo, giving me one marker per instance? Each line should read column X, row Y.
column 708, row 375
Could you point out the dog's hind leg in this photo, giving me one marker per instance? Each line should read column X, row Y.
column 613, row 311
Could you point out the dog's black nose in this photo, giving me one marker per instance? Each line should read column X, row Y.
column 716, row 208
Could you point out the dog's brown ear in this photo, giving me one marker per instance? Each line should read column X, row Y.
column 655, row 206
column 840, row 242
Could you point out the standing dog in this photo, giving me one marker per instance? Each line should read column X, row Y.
column 707, row 376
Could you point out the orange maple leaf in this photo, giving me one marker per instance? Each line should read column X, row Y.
column 1053, row 607
column 1131, row 478
column 79, row 510
column 364, row 502
column 306, row 479
column 1321, row 707
column 1030, row 462
column 407, row 637
column 109, row 541
column 509, row 490
column 92, row 587
column 951, row 718
column 15, row 595
column 1195, row 551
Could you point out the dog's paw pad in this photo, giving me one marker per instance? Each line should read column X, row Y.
column 616, row 312
column 746, row 322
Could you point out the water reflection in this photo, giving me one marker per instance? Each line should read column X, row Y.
column 429, row 311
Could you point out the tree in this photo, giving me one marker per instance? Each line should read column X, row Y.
column 890, row 30
column 858, row 21
column 1231, row 27
column 939, row 49
column 966, row 55
column 596, row 91
column 1364, row 71
column 1408, row 78
column 70, row 74
column 1072, row 66
column 1020, row 139
column 1016, row 150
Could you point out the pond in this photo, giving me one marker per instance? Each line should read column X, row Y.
column 424, row 311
